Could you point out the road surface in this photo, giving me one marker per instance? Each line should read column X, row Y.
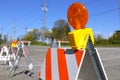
column 110, row 58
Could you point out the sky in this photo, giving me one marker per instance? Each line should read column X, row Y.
column 104, row 15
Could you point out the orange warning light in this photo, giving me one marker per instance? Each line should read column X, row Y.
column 14, row 43
column 77, row 15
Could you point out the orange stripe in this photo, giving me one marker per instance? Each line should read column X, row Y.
column 39, row 74
column 78, row 55
column 62, row 66
column 48, row 65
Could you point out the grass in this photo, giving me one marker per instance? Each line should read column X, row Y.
column 40, row 44
column 107, row 45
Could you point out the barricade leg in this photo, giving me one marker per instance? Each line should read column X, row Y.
column 28, row 61
column 15, row 63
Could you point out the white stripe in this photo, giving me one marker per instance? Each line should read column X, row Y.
column 42, row 70
column 101, row 65
column 54, row 63
column 30, row 66
column 71, row 66
column 16, row 62
column 78, row 71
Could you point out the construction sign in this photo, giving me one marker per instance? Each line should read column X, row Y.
column 67, row 64
column 60, row 64
column 22, row 51
column 82, row 61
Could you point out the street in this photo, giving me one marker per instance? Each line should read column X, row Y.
column 109, row 56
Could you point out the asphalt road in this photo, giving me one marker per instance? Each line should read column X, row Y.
column 110, row 58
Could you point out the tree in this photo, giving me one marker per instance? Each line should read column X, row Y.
column 36, row 34
column 1, row 40
column 44, row 32
column 60, row 30
column 29, row 36
column 115, row 38
column 32, row 35
column 100, row 40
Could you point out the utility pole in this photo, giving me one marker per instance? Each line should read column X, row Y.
column 119, row 10
column 14, row 26
column 44, row 9
column 25, row 32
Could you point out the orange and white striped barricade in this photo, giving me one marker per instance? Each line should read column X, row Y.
column 61, row 64
column 67, row 64
column 22, row 50
column 12, row 50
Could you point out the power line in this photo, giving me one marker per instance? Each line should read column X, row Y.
column 105, row 12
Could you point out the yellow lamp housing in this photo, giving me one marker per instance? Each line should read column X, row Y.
column 78, row 38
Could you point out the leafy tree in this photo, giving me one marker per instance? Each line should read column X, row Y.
column 100, row 40
column 29, row 36
column 32, row 35
column 60, row 30
column 1, row 40
column 115, row 38
column 44, row 32
column 36, row 34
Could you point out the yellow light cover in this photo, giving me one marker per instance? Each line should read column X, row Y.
column 79, row 38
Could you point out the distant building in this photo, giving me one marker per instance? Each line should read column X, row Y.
column 5, row 38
